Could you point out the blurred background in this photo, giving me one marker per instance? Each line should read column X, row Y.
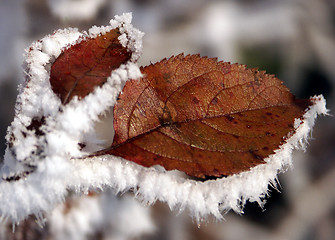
column 293, row 39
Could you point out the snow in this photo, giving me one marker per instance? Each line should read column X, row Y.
column 59, row 166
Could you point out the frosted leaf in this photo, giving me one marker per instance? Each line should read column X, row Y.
column 201, row 199
column 48, row 144
column 46, row 134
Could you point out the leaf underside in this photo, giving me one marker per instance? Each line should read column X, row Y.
column 203, row 117
column 86, row 65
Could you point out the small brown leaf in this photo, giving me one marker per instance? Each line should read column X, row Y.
column 82, row 67
column 203, row 117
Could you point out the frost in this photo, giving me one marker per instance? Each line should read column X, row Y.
column 131, row 43
column 53, row 44
column 41, row 162
column 199, row 198
column 40, row 170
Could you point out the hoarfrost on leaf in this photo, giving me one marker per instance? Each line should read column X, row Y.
column 46, row 134
column 53, row 143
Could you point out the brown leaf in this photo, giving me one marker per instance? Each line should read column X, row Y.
column 203, row 117
column 82, row 67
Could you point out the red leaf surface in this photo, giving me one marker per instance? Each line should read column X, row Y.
column 82, row 67
column 203, row 117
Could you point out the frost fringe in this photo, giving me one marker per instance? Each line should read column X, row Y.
column 199, row 198
column 51, row 152
column 56, row 173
